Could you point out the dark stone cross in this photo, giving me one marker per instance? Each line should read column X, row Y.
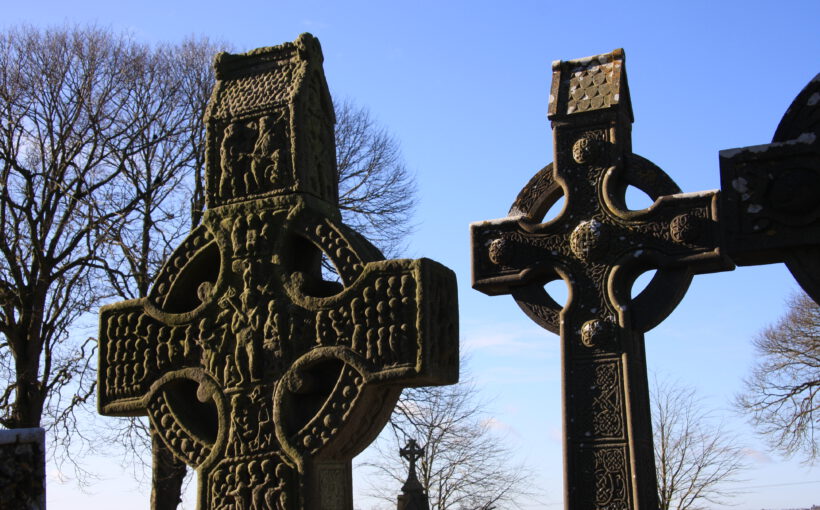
column 253, row 369
column 413, row 496
column 599, row 247
column 412, row 452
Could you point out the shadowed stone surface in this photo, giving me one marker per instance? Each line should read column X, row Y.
column 23, row 469
column 253, row 369
column 769, row 195
column 599, row 247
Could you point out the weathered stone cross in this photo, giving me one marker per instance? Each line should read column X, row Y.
column 412, row 452
column 599, row 248
column 253, row 369
column 413, row 496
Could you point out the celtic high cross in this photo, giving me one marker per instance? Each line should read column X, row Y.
column 412, row 495
column 253, row 369
column 599, row 247
column 412, row 452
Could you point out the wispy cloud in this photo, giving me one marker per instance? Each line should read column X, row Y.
column 58, row 476
column 505, row 338
column 497, row 425
column 757, row 456
column 555, row 434
column 314, row 24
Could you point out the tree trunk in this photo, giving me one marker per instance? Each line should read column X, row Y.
column 28, row 403
column 167, row 475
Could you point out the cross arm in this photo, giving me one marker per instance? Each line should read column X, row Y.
column 135, row 350
column 396, row 319
column 769, row 205
column 504, row 259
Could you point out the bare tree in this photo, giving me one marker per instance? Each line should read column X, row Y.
column 377, row 195
column 101, row 148
column 163, row 176
column 696, row 459
column 465, row 466
column 782, row 393
column 197, row 79
column 65, row 129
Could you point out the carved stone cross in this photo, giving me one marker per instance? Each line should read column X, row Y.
column 769, row 213
column 599, row 248
column 252, row 368
column 412, row 452
column 413, row 496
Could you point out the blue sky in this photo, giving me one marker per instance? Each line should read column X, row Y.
column 464, row 87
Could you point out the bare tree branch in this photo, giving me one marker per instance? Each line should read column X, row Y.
column 99, row 138
column 465, row 466
column 696, row 459
column 377, row 195
column 781, row 394
column 63, row 118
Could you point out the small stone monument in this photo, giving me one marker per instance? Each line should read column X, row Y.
column 599, row 247
column 23, row 469
column 413, row 496
column 254, row 369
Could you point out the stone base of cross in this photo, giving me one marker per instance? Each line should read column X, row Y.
column 252, row 367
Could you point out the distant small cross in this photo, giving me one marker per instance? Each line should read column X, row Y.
column 412, row 452
column 413, row 496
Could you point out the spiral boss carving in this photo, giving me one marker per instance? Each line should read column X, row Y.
column 252, row 368
column 769, row 207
